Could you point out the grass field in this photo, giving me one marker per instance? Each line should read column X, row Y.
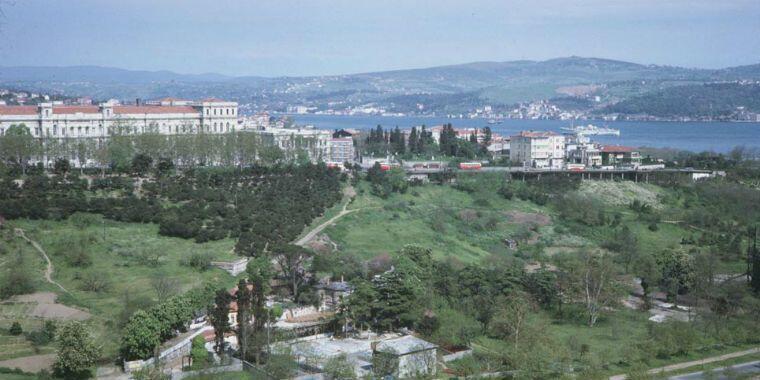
column 453, row 223
column 126, row 261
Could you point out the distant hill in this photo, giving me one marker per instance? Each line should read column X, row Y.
column 98, row 74
column 452, row 88
column 711, row 100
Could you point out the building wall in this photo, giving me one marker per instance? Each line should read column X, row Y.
column 101, row 121
column 417, row 363
column 538, row 151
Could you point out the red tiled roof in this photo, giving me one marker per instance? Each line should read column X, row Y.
column 18, row 110
column 616, row 149
column 61, row 110
column 153, row 109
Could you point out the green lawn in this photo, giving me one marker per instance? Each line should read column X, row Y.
column 114, row 249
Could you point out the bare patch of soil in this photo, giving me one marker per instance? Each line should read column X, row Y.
column 31, row 364
column 46, row 308
column 528, row 218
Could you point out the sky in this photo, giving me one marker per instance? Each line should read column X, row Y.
column 319, row 37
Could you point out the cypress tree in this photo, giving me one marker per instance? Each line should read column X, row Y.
column 244, row 300
column 755, row 262
column 413, row 141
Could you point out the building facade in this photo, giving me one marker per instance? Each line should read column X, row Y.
column 616, row 155
column 315, row 142
column 168, row 117
column 538, row 149
column 341, row 150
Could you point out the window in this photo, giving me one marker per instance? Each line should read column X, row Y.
column 207, row 111
column 214, row 111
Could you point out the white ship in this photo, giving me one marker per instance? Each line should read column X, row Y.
column 592, row 130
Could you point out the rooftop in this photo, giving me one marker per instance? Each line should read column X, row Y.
column 617, row 149
column 405, row 345
column 537, row 134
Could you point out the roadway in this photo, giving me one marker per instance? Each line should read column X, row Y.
column 743, row 369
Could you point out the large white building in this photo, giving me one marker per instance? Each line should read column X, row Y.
column 538, row 149
column 168, row 116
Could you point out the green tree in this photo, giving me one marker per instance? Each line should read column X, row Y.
column 77, row 352
column 61, row 166
column 141, row 164
column 17, row 145
column 219, row 318
column 198, row 353
column 339, row 368
column 244, row 298
column 140, row 336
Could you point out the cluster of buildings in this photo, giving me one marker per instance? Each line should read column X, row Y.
column 550, row 150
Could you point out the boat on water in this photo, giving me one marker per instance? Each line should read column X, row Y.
column 592, row 130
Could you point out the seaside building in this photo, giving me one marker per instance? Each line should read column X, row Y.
column 580, row 150
column 616, row 155
column 167, row 116
column 538, row 149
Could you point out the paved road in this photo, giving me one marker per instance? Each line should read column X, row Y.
column 713, row 359
column 718, row 373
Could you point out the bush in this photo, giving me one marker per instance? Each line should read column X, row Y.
column 653, row 227
column 15, row 329
column 198, row 260
column 198, row 353
column 93, row 282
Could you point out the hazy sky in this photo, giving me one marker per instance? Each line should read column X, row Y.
column 288, row 37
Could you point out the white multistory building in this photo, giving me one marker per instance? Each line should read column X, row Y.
column 168, row 117
column 538, row 149
column 315, row 142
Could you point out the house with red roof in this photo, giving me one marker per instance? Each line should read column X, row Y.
column 616, row 155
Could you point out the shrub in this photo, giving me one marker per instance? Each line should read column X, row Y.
column 198, row 260
column 198, row 353
column 93, row 282
column 16, row 329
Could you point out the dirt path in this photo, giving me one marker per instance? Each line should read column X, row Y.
column 349, row 192
column 49, row 270
column 713, row 359
column 307, row 238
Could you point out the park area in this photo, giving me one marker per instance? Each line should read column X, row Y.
column 101, row 272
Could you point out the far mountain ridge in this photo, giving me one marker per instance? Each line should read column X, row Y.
column 441, row 89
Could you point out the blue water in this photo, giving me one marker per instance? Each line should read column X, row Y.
column 693, row 136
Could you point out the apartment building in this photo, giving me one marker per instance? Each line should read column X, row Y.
column 538, row 149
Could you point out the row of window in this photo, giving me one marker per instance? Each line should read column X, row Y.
column 64, row 131
column 222, row 111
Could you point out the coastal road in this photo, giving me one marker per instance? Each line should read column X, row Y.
column 743, row 369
